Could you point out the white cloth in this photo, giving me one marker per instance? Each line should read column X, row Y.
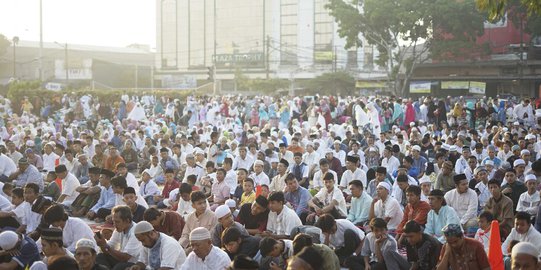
column 137, row 113
column 69, row 186
column 283, row 223
column 5, row 204
column 126, row 243
column 335, row 195
column 7, row 166
column 311, row 159
column 172, row 255
column 260, row 179
column 389, row 209
column 74, row 230
column 149, row 189
column 391, row 164
column 484, row 193
column 231, row 180
column 317, row 182
column 337, row 239
column 240, row 163
column 532, row 236
column 217, row 259
column 465, row 204
column 349, row 176
column 196, row 170
column 529, row 203
column 49, row 161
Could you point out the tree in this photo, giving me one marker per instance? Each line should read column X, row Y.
column 331, row 83
column 4, row 44
column 497, row 8
column 406, row 32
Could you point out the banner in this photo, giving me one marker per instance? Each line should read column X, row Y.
column 420, row 87
column 455, row 85
column 179, row 81
column 369, row 84
column 478, row 88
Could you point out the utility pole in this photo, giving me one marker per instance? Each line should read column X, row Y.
column 267, row 58
column 66, row 65
column 214, row 58
column 334, row 64
column 136, row 76
column 15, row 41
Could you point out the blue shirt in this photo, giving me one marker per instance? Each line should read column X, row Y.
column 497, row 161
column 30, row 175
column 420, row 165
column 107, row 199
column 360, row 208
column 29, row 253
column 436, row 222
column 299, row 199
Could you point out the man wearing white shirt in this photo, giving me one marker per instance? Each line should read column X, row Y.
column 317, row 182
column 7, row 167
column 462, row 163
column 338, row 153
column 386, row 207
column 70, row 183
column 131, row 181
column 389, row 161
column 352, row 173
column 285, row 154
column 529, row 200
column 464, row 200
column 73, row 228
column 49, row 157
column 329, row 200
column 243, row 160
column 159, row 251
column 230, row 175
column 282, row 219
column 193, row 168
column 148, row 188
column 342, row 235
column 259, row 177
column 205, row 256
column 311, row 158
column 523, row 232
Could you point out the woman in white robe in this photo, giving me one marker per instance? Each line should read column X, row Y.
column 373, row 116
column 138, row 113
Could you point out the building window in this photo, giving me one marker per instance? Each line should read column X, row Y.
column 288, row 32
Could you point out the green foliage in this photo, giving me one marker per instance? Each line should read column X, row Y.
column 267, row 86
column 497, row 8
column 331, row 83
column 4, row 44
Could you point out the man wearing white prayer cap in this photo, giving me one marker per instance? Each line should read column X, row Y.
column 525, row 256
column 386, row 207
column 426, row 187
column 225, row 220
column 159, row 251
column 204, row 255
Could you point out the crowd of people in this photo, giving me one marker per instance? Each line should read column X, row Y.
column 234, row 182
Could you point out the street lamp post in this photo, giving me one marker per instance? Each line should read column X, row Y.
column 15, row 42
column 66, row 65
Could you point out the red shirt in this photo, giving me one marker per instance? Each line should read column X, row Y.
column 418, row 213
column 168, row 187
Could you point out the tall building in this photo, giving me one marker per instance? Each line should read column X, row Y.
column 261, row 38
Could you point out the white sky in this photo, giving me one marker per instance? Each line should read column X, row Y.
column 91, row 22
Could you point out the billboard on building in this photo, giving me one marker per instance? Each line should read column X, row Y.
column 478, row 88
column 179, row 81
column 78, row 69
column 420, row 87
column 455, row 85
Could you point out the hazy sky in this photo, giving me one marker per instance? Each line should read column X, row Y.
column 92, row 22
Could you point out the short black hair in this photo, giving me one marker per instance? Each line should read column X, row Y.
column 151, row 214
column 249, row 180
column 32, row 186
column 402, row 178
column 119, row 181
column 266, row 245
column 487, row 215
column 412, row 227
column 55, row 213
column 230, row 234
column 328, row 176
column 325, row 223
column 228, row 160
column 192, row 178
column 416, row 190
column 524, row 216
column 169, row 170
column 129, row 190
column 18, row 192
column 323, row 161
column 185, row 188
column 378, row 223
column 277, row 197
column 301, row 241
column 494, row 182
column 290, row 177
column 64, row 263
column 197, row 196
column 357, row 183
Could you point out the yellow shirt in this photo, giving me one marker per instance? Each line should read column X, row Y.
column 247, row 198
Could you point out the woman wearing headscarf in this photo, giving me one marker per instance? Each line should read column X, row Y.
column 410, row 114
column 398, row 114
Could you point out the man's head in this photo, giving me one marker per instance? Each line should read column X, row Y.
column 145, row 233
column 436, row 199
column 356, row 187
column 56, row 216
column 231, row 239
column 494, row 187
column 382, row 190
column 351, row 162
column 130, row 197
column 413, row 194
column 270, row 247
column 276, row 201
column 31, row 192
column 461, row 183
column 52, row 241
column 523, row 221
column 224, row 216
column 378, row 227
column 119, row 184
column 327, row 224
column 402, row 181
column 510, row 176
column 122, row 217
column 260, row 205
column 413, row 232
column 291, row 182
column 454, row 235
column 525, row 256
column 200, row 242
column 484, row 220
column 328, row 181
column 61, row 171
column 85, row 253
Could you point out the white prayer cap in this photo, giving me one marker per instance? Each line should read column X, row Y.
column 489, row 163
column 85, row 243
column 416, row 148
column 519, row 162
column 453, row 148
column 530, row 177
column 524, row 152
column 143, row 227
column 200, row 233
column 259, row 162
column 8, row 240
column 222, row 211
column 385, row 185
column 525, row 248
column 424, row 179
column 230, row 203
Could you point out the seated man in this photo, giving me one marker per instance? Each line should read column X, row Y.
column 386, row 207
column 439, row 216
column 23, row 248
column 465, row 202
column 123, row 249
column 416, row 210
column 524, row 255
column 148, row 188
column 106, row 200
column 85, row 254
column 184, row 207
column 220, row 190
column 169, row 223
column 344, row 237
column 89, row 194
column 235, row 243
column 422, row 249
column 297, row 196
column 330, row 260
column 329, row 200
column 202, row 217
column 254, row 216
column 461, row 252
column 73, row 228
column 205, row 255
column 380, row 249
column 130, row 199
column 501, row 207
column 281, row 219
column 275, row 253
column 16, row 217
column 360, row 203
column 159, row 250
column 69, row 185
column 52, row 246
column 170, row 184
column 225, row 220
column 523, row 232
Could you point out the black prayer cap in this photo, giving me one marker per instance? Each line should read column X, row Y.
column 261, row 200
